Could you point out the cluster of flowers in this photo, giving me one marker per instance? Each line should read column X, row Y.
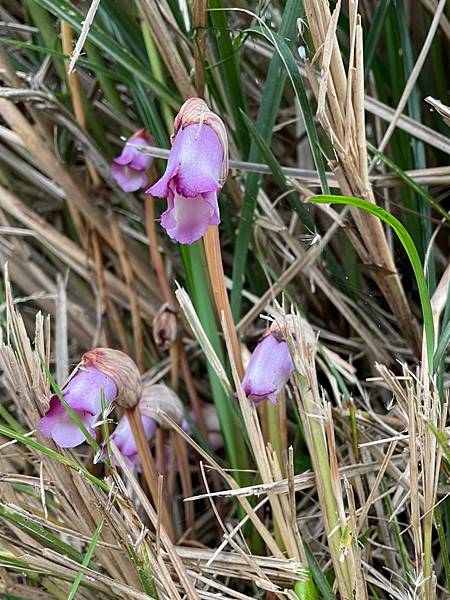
column 196, row 170
column 105, row 375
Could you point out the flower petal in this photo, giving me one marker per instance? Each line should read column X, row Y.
column 200, row 155
column 161, row 187
column 194, row 164
column 84, row 391
column 127, row 178
column 126, row 156
column 59, row 425
column 187, row 219
column 124, row 440
column 268, row 370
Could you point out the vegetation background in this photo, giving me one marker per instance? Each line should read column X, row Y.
column 341, row 490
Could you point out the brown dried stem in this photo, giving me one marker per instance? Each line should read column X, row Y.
column 217, row 277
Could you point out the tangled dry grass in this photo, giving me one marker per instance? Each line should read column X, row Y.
column 341, row 489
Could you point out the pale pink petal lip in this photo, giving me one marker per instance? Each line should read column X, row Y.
column 83, row 393
column 187, row 219
column 129, row 179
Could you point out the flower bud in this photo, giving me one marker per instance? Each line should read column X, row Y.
column 121, row 369
column 297, row 326
column 165, row 327
column 157, row 397
column 130, row 168
column 196, row 171
column 269, row 368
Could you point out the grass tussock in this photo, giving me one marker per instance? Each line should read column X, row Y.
column 332, row 241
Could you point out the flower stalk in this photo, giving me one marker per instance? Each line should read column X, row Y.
column 217, row 278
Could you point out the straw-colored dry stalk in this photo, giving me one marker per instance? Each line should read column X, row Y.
column 340, row 110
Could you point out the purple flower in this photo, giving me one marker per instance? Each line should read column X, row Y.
column 154, row 397
column 83, row 393
column 124, row 440
column 196, row 170
column 130, row 168
column 268, row 370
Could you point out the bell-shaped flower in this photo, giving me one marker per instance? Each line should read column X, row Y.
column 154, row 398
column 196, row 170
column 124, row 440
column 83, row 393
column 268, row 370
column 130, row 168
column 103, row 373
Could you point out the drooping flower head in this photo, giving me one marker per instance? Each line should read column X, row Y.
column 269, row 368
column 83, row 393
column 196, row 170
column 102, row 373
column 154, row 397
column 130, row 168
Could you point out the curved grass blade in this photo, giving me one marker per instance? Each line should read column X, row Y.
column 411, row 251
column 409, row 182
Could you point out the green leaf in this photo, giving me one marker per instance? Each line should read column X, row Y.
column 318, row 576
column 230, row 71
column 410, row 182
column 267, row 114
column 86, row 560
column 277, row 172
column 31, row 443
column 442, row 346
column 67, row 12
column 39, row 533
column 373, row 37
column 305, row 589
column 411, row 251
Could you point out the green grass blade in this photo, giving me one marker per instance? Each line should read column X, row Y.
column 195, row 268
column 267, row 114
column 444, row 341
column 230, row 70
column 318, row 576
column 410, row 182
column 443, row 543
column 67, row 12
column 410, row 250
column 86, row 560
column 39, row 533
column 30, row 443
column 277, row 172
column 373, row 36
